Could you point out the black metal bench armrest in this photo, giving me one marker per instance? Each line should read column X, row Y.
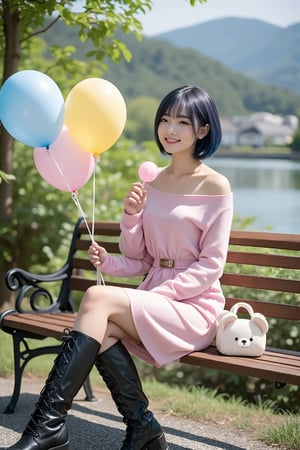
column 31, row 286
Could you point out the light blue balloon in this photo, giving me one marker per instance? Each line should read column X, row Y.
column 32, row 108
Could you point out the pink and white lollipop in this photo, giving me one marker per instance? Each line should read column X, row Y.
column 148, row 171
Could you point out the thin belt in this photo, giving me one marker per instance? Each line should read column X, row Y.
column 166, row 263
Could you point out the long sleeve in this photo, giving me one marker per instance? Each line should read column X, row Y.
column 123, row 266
column 132, row 241
column 135, row 260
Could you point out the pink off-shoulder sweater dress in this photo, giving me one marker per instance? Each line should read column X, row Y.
column 174, row 309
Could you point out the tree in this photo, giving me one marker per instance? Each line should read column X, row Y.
column 141, row 112
column 20, row 22
column 295, row 145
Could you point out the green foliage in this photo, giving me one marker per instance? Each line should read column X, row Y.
column 6, row 364
column 6, row 177
column 295, row 145
column 95, row 21
column 98, row 21
column 141, row 112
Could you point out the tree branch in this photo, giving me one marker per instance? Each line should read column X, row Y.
column 41, row 31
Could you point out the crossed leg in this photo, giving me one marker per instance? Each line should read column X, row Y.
column 105, row 315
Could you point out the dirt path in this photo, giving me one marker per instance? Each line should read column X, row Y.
column 98, row 426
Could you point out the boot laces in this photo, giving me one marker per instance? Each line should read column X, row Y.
column 39, row 416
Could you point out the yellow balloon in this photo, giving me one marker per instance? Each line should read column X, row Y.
column 95, row 114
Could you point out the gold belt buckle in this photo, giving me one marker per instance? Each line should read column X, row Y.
column 167, row 263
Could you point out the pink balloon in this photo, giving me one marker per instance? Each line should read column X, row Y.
column 148, row 171
column 65, row 165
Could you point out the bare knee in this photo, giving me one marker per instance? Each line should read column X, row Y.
column 91, row 299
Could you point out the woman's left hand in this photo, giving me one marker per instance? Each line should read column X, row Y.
column 97, row 254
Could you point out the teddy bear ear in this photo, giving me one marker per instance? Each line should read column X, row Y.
column 225, row 318
column 261, row 322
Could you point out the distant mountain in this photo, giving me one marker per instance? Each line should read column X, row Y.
column 158, row 66
column 265, row 52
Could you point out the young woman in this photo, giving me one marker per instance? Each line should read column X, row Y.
column 174, row 229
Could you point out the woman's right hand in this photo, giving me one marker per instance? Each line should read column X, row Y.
column 135, row 200
column 97, row 254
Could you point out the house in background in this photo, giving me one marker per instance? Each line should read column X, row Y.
column 258, row 130
column 229, row 132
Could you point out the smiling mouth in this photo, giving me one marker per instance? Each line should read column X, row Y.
column 172, row 140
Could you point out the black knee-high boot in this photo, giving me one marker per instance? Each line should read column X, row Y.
column 117, row 369
column 46, row 429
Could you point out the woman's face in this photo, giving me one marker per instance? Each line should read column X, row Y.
column 176, row 132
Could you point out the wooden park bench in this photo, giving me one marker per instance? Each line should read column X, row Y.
column 256, row 260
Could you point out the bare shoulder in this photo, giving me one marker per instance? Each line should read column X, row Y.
column 216, row 183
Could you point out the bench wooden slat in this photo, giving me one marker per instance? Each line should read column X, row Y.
column 278, row 310
column 237, row 237
column 47, row 319
column 290, row 358
column 256, row 367
column 258, row 282
column 260, row 259
column 83, row 264
column 111, row 247
column 262, row 239
column 107, row 228
column 43, row 326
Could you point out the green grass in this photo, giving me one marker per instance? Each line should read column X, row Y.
column 286, row 435
column 198, row 404
column 206, row 406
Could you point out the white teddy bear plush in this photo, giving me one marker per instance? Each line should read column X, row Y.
column 241, row 337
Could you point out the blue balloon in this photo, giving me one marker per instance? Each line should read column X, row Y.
column 32, row 108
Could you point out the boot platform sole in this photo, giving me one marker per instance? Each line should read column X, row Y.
column 61, row 447
column 158, row 444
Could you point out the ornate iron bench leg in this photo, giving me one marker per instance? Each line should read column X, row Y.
column 18, row 371
column 89, row 396
column 22, row 357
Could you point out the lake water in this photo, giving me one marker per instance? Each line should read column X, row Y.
column 267, row 189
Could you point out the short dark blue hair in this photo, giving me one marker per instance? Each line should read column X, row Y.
column 201, row 110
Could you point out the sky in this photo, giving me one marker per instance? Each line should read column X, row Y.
column 167, row 15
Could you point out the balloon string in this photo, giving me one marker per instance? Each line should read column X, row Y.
column 74, row 193
column 100, row 279
column 94, row 194
column 78, row 205
column 48, row 150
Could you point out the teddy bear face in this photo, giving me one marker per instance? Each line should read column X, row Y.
column 243, row 342
column 241, row 337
